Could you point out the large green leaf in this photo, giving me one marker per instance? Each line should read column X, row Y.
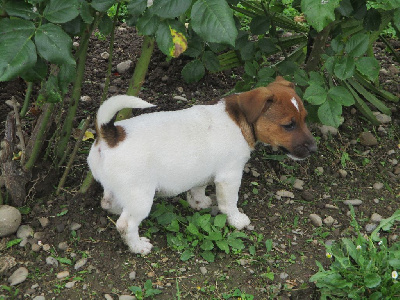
column 61, row 11
column 148, row 23
column 37, row 73
column 102, row 5
column 344, row 67
column 136, row 7
column 213, row 21
column 372, row 280
column 329, row 113
column 319, row 12
column 170, row 8
column 357, row 45
column 210, row 61
column 315, row 94
column 260, row 25
column 341, row 95
column 19, row 8
column 164, row 38
column 53, row 44
column 193, row 71
column 369, row 67
column 86, row 12
column 17, row 51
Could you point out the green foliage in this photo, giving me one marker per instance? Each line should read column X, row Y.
column 200, row 233
column 238, row 294
column 362, row 268
column 147, row 292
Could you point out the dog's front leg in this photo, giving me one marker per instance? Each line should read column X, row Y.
column 227, row 189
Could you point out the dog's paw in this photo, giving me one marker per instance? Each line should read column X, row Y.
column 239, row 220
column 199, row 203
column 143, row 246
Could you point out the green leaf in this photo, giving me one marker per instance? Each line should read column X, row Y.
column 193, row 229
column 61, row 11
column 344, row 67
column 319, row 12
column 204, row 220
column 223, row 245
column 260, row 25
column 19, row 8
column 102, row 5
column 136, row 7
column 341, row 95
column 369, row 67
column 220, row 220
column 357, row 45
column 186, row 255
column 213, row 21
column 315, row 94
column 372, row 20
column 268, row 245
column 13, row 243
column 207, row 245
column 135, row 290
column 174, row 226
column 268, row 46
column 193, row 71
column 148, row 23
column 372, row 280
column 235, row 243
column 53, row 44
column 86, row 12
column 330, row 113
column 395, row 263
column 287, row 67
column 210, row 61
column 208, row 256
column 17, row 51
column 214, row 236
column 105, row 25
column 170, row 9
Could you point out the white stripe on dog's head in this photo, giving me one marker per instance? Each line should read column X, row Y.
column 294, row 102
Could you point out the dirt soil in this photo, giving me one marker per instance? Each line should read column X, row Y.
column 343, row 169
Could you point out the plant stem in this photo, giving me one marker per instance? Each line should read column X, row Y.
column 318, row 48
column 138, row 77
column 26, row 101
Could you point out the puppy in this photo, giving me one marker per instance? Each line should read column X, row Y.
column 171, row 152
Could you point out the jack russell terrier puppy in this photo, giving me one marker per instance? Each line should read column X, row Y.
column 172, row 152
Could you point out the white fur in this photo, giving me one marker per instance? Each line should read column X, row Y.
column 169, row 153
column 294, row 102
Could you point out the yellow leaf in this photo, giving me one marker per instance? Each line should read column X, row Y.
column 88, row 135
column 180, row 43
column 17, row 156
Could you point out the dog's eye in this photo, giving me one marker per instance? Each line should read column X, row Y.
column 290, row 126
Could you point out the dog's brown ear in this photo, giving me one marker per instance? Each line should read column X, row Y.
column 282, row 81
column 253, row 103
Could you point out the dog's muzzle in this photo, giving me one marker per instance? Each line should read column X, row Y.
column 301, row 151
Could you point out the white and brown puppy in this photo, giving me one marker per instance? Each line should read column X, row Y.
column 171, row 152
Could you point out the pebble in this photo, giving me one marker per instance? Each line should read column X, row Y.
column 298, row 184
column 383, row 119
column 368, row 139
column 18, row 276
column 126, row 297
column 308, row 195
column 124, row 66
column 376, row 218
column 35, row 248
column 62, row 274
column 283, row 275
column 6, row 262
column 70, row 284
column 282, row 193
column 329, row 220
column 86, row 98
column 46, row 247
column 315, row 220
column 320, row 170
column 63, row 246
column 105, row 55
column 343, row 173
column 75, row 226
column 24, row 231
column 325, row 130
column 354, row 202
column 255, row 173
column 180, row 98
column 39, row 235
column 378, row 186
column 132, row 275
column 203, row 270
column 10, row 219
column 39, row 298
column 52, row 261
column 330, row 206
column 108, row 297
column 370, row 227
column 80, row 263
column 44, row 221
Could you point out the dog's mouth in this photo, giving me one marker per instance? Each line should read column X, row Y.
column 299, row 153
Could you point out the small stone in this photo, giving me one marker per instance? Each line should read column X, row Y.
column 86, row 98
column 180, row 89
column 320, row 170
column 393, row 70
column 250, row 227
column 376, row 218
column 35, row 248
column 108, row 297
column 330, row 206
column 325, row 130
column 52, row 261
column 370, row 227
column 10, row 219
column 308, row 196
column 6, row 262
column 62, row 275
column 80, row 263
column 44, row 221
column 298, row 184
column 378, row 186
column 343, row 173
column 75, row 226
column 315, row 220
column 18, row 276
column 354, row 202
column 24, row 231
column 282, row 193
column 60, row 227
column 124, row 66
column 165, row 78
column 39, row 298
column 328, row 221
column 383, row 119
column 391, row 152
column 180, row 98
column 283, row 275
column 132, row 275
column 70, row 284
column 63, row 246
column 105, row 55
column 46, row 247
column 39, row 235
column 368, row 139
column 255, row 173
column 203, row 270
column 393, row 237
column 126, row 297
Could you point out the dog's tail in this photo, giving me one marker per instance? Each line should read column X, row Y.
column 105, row 123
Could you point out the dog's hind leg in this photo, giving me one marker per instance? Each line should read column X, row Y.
column 197, row 198
column 128, row 224
column 108, row 203
column 227, row 196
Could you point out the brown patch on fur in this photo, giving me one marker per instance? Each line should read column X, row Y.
column 112, row 134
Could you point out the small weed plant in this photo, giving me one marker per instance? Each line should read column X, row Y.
column 146, row 292
column 198, row 233
column 363, row 268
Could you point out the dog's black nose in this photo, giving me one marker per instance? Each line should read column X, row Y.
column 312, row 147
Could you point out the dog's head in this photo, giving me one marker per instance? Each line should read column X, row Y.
column 274, row 115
